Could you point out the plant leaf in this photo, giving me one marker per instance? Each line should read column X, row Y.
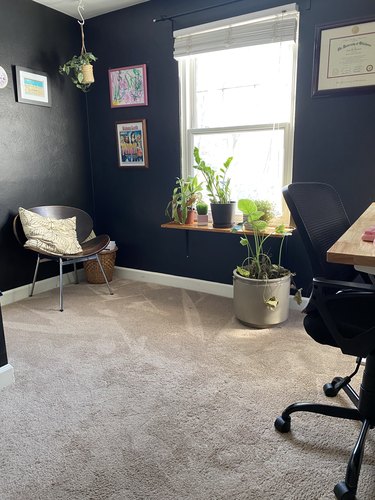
column 246, row 206
column 259, row 225
column 272, row 303
column 298, row 296
column 243, row 272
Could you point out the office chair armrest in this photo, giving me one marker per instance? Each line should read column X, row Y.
column 344, row 285
column 324, row 288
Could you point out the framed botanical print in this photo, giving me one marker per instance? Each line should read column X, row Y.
column 128, row 86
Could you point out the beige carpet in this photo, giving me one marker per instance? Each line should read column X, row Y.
column 159, row 393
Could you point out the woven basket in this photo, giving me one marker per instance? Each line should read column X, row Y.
column 92, row 269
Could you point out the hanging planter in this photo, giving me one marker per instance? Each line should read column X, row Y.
column 79, row 68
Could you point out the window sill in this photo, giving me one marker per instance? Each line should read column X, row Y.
column 210, row 229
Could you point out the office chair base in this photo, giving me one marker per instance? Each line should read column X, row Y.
column 282, row 423
column 344, row 490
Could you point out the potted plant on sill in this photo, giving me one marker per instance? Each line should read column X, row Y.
column 202, row 213
column 185, row 194
column 218, row 188
column 261, row 288
column 265, row 206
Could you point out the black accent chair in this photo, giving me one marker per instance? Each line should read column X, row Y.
column 90, row 248
column 338, row 314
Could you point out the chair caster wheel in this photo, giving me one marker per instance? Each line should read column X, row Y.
column 342, row 492
column 330, row 389
column 282, row 425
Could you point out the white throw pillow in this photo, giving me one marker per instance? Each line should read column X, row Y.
column 57, row 236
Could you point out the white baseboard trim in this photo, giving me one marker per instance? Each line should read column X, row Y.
column 194, row 284
column 6, row 375
column 175, row 281
column 22, row 292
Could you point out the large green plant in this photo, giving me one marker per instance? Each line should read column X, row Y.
column 184, row 195
column 217, row 182
column 73, row 68
column 258, row 263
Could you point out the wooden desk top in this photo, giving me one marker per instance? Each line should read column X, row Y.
column 350, row 249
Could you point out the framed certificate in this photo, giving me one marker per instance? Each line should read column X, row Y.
column 344, row 57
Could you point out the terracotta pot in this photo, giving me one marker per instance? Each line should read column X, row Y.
column 189, row 219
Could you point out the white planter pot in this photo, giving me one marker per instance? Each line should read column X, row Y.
column 249, row 296
column 202, row 220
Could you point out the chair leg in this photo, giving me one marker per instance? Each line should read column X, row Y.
column 61, row 284
column 75, row 272
column 105, row 277
column 332, row 388
column 35, row 275
column 346, row 490
column 282, row 423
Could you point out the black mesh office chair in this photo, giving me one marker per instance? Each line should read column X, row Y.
column 320, row 220
column 339, row 314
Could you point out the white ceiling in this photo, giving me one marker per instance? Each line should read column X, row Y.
column 92, row 8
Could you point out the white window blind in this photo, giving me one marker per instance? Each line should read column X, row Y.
column 268, row 26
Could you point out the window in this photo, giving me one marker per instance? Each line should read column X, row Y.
column 237, row 83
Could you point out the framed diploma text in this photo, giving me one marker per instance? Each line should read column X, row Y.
column 344, row 57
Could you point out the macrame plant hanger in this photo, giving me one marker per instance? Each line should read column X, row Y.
column 87, row 69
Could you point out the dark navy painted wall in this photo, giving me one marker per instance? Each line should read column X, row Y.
column 44, row 154
column 333, row 140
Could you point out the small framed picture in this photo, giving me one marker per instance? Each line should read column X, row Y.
column 132, row 144
column 33, row 87
column 344, row 58
column 128, row 86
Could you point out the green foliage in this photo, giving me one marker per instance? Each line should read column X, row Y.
column 73, row 68
column 202, row 208
column 184, row 195
column 268, row 209
column 258, row 264
column 217, row 183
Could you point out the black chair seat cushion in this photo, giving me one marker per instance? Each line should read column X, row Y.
column 353, row 316
column 315, row 327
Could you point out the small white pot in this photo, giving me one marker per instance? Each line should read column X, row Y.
column 202, row 220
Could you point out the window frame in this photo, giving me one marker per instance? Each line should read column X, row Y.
column 187, row 91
